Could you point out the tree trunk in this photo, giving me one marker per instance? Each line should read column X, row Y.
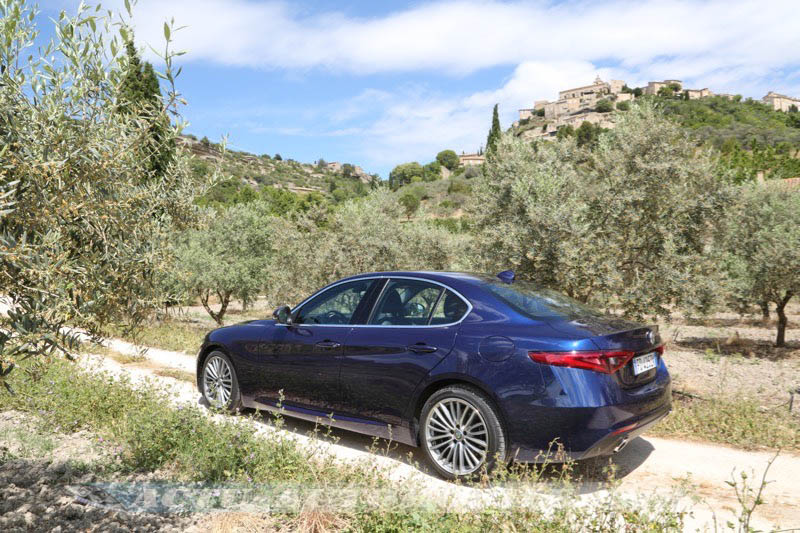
column 780, row 309
column 765, row 311
column 224, row 300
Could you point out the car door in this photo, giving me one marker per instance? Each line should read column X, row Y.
column 412, row 327
column 301, row 361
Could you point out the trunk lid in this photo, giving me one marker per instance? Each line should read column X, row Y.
column 612, row 333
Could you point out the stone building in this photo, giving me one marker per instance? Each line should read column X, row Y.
column 694, row 94
column 576, row 100
column 780, row 102
column 654, row 86
column 525, row 114
column 471, row 160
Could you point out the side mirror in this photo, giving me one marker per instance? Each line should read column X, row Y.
column 283, row 315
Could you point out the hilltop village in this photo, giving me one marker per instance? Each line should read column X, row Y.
column 594, row 103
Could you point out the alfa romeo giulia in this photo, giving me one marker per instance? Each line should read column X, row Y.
column 473, row 368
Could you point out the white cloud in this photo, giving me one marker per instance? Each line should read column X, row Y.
column 467, row 35
column 414, row 123
column 728, row 45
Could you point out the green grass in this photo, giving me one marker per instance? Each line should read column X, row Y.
column 153, row 435
column 184, row 444
column 741, row 423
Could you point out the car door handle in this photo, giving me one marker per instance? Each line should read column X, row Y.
column 328, row 345
column 421, row 348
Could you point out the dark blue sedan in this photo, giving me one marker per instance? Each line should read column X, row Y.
column 475, row 369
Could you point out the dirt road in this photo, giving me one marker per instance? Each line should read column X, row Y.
column 645, row 466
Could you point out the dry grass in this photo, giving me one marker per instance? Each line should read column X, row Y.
column 238, row 523
column 175, row 373
column 174, row 335
column 316, row 520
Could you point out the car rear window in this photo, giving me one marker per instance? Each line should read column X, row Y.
column 537, row 302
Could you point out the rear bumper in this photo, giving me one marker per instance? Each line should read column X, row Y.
column 619, row 438
column 612, row 441
column 556, row 434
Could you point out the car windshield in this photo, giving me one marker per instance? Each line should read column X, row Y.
column 536, row 302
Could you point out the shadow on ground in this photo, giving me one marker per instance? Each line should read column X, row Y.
column 737, row 346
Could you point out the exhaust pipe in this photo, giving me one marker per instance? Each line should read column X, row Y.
column 621, row 445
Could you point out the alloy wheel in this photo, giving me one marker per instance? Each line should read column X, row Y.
column 456, row 436
column 218, row 382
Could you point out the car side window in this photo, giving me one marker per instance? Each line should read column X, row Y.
column 450, row 308
column 336, row 305
column 406, row 302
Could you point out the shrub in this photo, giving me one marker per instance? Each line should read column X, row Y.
column 410, row 203
column 471, row 171
column 588, row 134
column 603, row 106
column 457, row 186
column 432, row 171
column 624, row 106
column 405, row 173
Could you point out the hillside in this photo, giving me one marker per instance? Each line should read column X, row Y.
column 718, row 119
column 246, row 172
column 753, row 138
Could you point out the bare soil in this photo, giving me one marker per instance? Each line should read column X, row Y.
column 732, row 356
column 38, row 468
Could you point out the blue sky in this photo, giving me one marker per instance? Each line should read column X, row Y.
column 377, row 83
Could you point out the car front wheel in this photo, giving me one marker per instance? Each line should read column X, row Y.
column 461, row 432
column 220, row 386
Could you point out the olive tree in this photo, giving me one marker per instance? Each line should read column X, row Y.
column 762, row 240
column 81, row 230
column 227, row 258
column 626, row 225
column 362, row 235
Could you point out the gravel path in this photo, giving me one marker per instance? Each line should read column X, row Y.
column 645, row 466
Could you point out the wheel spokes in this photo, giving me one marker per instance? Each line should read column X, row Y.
column 218, row 382
column 456, row 436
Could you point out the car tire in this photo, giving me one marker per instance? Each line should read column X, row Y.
column 220, row 384
column 461, row 433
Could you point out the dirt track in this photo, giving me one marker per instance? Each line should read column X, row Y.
column 645, row 466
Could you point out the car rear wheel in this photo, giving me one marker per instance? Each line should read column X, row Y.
column 461, row 432
column 220, row 386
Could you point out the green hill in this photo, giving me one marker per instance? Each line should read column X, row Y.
column 246, row 174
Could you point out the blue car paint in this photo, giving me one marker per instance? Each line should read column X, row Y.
column 373, row 385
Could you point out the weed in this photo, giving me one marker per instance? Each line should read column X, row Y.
column 738, row 422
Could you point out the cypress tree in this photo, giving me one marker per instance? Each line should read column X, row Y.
column 140, row 95
column 494, row 133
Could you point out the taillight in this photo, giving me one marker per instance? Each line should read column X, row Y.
column 605, row 361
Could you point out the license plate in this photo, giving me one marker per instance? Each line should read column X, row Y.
column 643, row 363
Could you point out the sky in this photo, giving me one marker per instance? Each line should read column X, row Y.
column 382, row 82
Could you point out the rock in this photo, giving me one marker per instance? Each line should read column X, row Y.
column 30, row 519
column 73, row 511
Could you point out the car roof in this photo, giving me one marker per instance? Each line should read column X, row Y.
column 441, row 277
